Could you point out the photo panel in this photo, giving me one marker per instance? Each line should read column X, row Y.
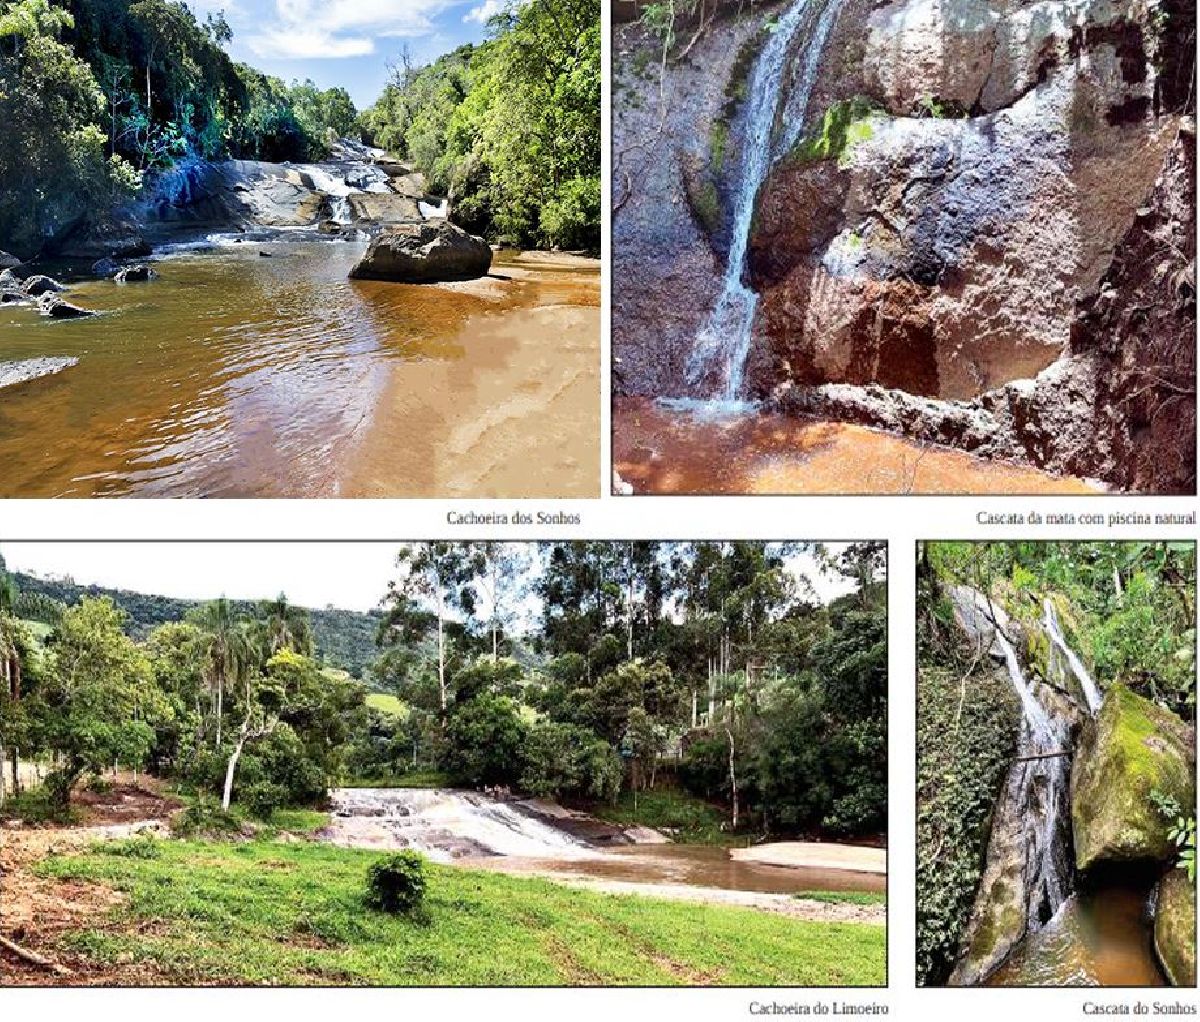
column 1056, row 764
column 265, row 250
column 444, row 764
column 892, row 249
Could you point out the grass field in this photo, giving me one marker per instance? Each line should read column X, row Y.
column 265, row 912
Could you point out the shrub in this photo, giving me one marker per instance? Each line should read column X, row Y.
column 143, row 846
column 262, row 799
column 396, row 883
column 204, row 817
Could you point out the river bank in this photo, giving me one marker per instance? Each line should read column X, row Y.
column 284, row 908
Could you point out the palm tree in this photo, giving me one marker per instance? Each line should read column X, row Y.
column 287, row 626
column 226, row 652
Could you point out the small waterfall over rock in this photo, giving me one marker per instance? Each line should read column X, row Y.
column 1060, row 649
column 1028, row 862
column 443, row 824
column 718, row 359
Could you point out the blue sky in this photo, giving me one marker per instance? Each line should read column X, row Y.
column 347, row 42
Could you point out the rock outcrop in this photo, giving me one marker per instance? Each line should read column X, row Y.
column 1175, row 928
column 12, row 373
column 56, row 308
column 135, row 274
column 1129, row 750
column 7, row 261
column 40, row 284
column 116, row 239
column 424, row 253
column 986, row 205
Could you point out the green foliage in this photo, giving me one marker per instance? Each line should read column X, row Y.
column 683, row 816
column 844, row 125
column 966, row 735
column 142, row 846
column 484, row 739
column 397, row 884
column 204, row 818
column 510, row 129
column 263, row 799
column 342, row 638
column 564, row 760
column 1182, row 830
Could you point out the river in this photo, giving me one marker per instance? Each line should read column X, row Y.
column 259, row 370
column 528, row 838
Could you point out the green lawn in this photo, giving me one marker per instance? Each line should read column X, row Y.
column 265, row 912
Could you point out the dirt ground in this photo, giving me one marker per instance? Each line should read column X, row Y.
column 35, row 911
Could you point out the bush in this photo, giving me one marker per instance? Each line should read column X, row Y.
column 262, row 799
column 98, row 785
column 396, row 884
column 204, row 817
column 143, row 846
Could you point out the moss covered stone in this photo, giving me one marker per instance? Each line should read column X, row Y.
column 1129, row 750
column 1175, row 928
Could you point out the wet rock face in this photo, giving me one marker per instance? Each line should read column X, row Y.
column 1175, row 928
column 948, row 248
column 1130, row 749
column 424, row 253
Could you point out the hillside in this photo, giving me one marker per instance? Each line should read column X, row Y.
column 345, row 638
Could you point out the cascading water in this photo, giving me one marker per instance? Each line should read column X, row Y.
column 443, row 825
column 718, row 360
column 1090, row 692
column 1036, row 799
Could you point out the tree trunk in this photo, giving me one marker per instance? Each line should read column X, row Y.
column 732, row 778
column 227, row 797
column 441, row 652
column 2, row 784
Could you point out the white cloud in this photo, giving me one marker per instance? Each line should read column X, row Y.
column 308, row 29
column 484, row 11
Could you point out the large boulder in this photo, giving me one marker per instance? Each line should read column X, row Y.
column 1129, row 750
column 423, row 253
column 40, row 285
column 120, row 239
column 7, row 261
column 1175, row 928
column 10, row 280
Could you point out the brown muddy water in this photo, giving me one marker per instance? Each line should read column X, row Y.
column 1098, row 938
column 666, row 451
column 235, row 375
column 692, row 865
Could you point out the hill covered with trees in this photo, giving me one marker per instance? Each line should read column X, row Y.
column 344, row 639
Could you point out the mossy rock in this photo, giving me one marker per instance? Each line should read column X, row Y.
column 1130, row 749
column 1175, row 928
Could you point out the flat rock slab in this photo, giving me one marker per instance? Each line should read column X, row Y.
column 815, row 855
column 12, row 373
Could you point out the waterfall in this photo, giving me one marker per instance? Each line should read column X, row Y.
column 718, row 358
column 1037, row 793
column 1090, row 692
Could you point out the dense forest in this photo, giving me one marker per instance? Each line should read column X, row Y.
column 509, row 129
column 586, row 671
column 1056, row 753
column 97, row 96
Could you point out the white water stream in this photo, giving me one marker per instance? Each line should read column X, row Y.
column 443, row 824
column 1090, row 692
column 1039, row 787
column 718, row 359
